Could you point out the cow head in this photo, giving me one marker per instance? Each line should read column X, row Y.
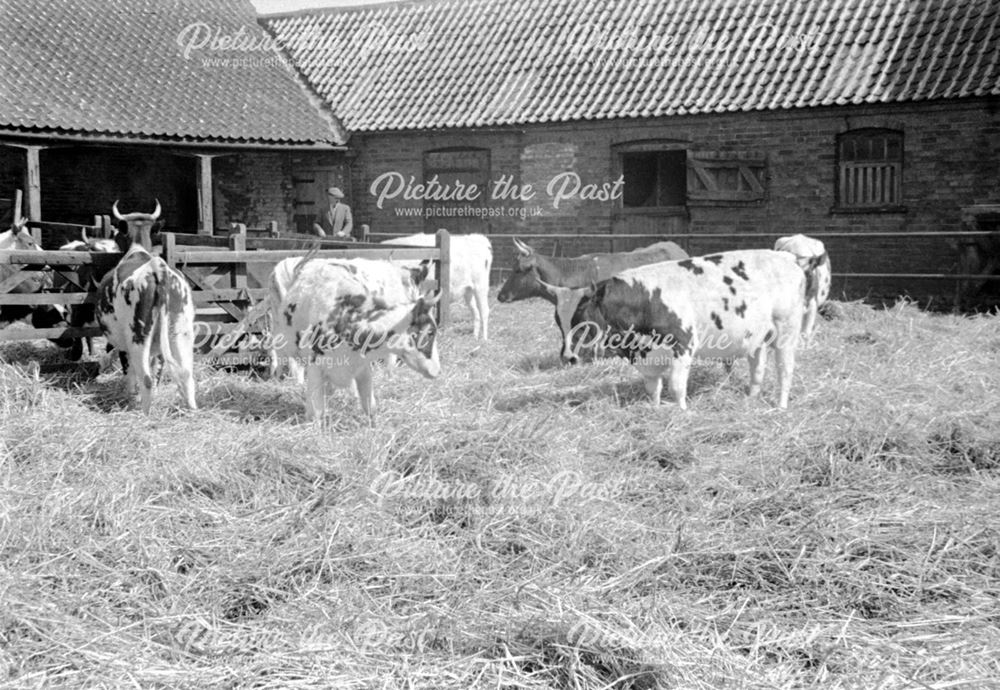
column 141, row 228
column 524, row 281
column 415, row 341
column 575, row 326
column 18, row 238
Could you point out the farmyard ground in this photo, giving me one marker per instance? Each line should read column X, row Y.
column 516, row 523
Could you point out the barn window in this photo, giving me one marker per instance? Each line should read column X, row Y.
column 456, row 170
column 654, row 178
column 870, row 175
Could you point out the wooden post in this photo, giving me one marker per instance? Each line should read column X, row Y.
column 444, row 276
column 169, row 249
column 206, row 219
column 18, row 201
column 238, row 243
column 272, row 229
column 33, row 183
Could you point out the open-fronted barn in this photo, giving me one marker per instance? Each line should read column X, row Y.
column 877, row 120
column 184, row 101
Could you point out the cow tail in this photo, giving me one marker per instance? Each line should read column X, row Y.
column 163, row 319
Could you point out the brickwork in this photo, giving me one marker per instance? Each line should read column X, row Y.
column 951, row 159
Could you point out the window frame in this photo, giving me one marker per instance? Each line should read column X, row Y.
column 620, row 150
column 870, row 180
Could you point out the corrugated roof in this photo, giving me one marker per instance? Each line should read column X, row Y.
column 478, row 63
column 121, row 68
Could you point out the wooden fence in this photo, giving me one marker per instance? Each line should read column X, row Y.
column 227, row 275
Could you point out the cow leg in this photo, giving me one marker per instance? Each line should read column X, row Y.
column 295, row 371
column 482, row 301
column 182, row 352
column 315, row 393
column 141, row 372
column 786, row 365
column 469, row 297
column 679, row 372
column 654, row 386
column 758, row 363
column 366, row 394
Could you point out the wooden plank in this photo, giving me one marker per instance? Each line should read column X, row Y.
column 33, row 182
column 58, row 258
column 39, row 298
column 206, row 221
column 11, row 334
column 226, row 257
column 198, row 282
column 444, row 276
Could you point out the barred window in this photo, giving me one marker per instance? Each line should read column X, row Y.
column 870, row 165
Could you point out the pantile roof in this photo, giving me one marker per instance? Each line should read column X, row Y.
column 480, row 63
column 124, row 69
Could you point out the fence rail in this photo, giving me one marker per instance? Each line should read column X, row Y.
column 227, row 274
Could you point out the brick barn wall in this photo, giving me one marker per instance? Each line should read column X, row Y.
column 951, row 159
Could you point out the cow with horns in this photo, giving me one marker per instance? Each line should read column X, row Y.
column 146, row 312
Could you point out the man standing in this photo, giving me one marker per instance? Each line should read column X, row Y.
column 335, row 220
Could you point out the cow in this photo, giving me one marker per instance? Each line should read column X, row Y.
column 88, row 277
column 737, row 303
column 33, row 280
column 392, row 282
column 339, row 316
column 471, row 260
column 146, row 312
column 534, row 274
column 807, row 249
column 977, row 256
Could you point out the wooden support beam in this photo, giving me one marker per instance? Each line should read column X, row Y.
column 33, row 182
column 444, row 276
column 206, row 213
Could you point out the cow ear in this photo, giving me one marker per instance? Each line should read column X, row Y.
column 419, row 274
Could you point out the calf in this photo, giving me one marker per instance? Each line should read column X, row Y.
column 810, row 250
column 337, row 317
column 535, row 274
column 28, row 280
column 723, row 305
column 146, row 312
column 471, row 259
column 86, row 277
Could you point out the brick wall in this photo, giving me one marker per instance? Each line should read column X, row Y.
column 951, row 159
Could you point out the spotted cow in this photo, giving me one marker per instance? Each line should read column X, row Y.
column 471, row 260
column 337, row 317
column 724, row 305
column 533, row 274
column 146, row 313
column 810, row 250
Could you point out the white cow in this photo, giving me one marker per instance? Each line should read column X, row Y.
column 661, row 316
column 808, row 249
column 471, row 260
column 146, row 312
column 336, row 317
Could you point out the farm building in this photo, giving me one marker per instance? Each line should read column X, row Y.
column 874, row 120
column 180, row 100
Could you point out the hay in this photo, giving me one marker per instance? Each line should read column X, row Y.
column 516, row 523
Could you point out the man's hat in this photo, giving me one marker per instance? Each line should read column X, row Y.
column 335, row 192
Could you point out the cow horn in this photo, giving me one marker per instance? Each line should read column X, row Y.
column 156, row 213
column 522, row 247
column 83, row 234
column 116, row 212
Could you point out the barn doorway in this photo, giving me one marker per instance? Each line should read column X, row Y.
column 78, row 183
column 310, row 185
